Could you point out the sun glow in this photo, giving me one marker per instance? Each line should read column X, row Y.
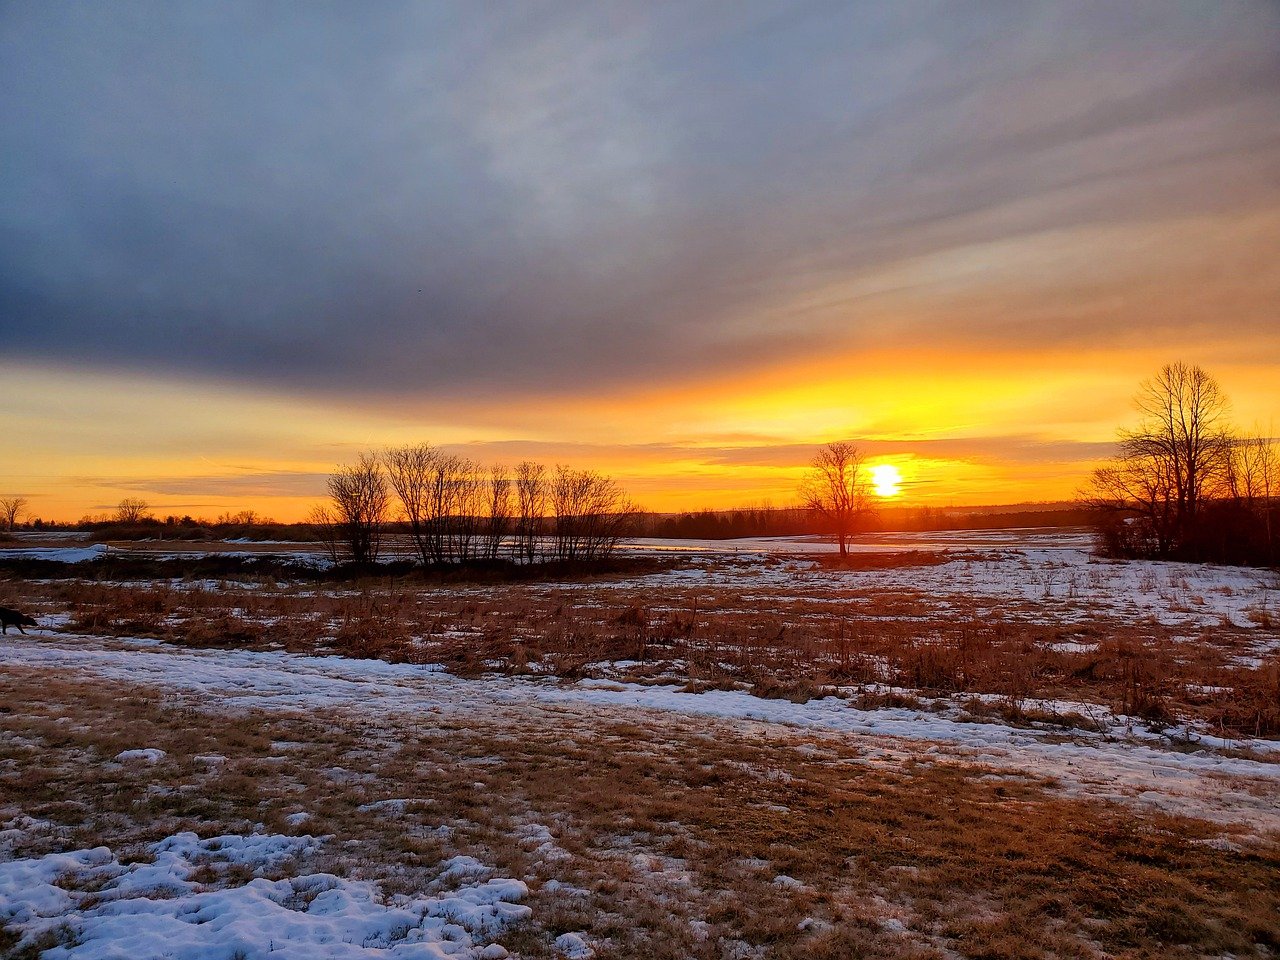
column 886, row 480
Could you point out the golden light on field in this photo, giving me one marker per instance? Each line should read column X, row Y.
column 886, row 481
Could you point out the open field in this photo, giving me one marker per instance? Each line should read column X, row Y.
column 955, row 745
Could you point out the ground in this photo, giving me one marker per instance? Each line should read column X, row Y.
column 267, row 796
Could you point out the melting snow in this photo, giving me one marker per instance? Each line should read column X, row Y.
column 147, row 755
column 110, row 909
column 1110, row 766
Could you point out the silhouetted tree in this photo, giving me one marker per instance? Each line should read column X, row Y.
column 324, row 524
column 591, row 514
column 499, row 500
column 1169, row 464
column 1252, row 482
column 837, row 488
column 11, row 508
column 360, row 498
column 412, row 472
column 133, row 510
column 468, row 504
column 531, row 508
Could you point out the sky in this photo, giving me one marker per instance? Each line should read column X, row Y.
column 684, row 243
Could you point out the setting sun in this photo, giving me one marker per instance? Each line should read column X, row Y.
column 886, row 480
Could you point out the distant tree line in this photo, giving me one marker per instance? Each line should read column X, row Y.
column 1186, row 484
column 134, row 516
column 459, row 511
column 763, row 520
column 769, row 521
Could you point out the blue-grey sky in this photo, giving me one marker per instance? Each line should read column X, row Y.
column 450, row 199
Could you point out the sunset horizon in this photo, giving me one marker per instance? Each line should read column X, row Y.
column 285, row 446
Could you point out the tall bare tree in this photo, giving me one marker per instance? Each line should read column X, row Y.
column 1169, row 465
column 411, row 473
column 360, row 497
column 837, row 487
column 499, row 518
column 531, row 508
column 1184, row 423
column 468, row 498
column 11, row 508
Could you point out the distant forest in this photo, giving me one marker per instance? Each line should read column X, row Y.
column 705, row 524
column 800, row 521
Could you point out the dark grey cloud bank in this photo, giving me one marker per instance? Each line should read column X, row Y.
column 448, row 197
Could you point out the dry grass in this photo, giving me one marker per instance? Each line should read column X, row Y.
column 673, row 833
column 797, row 641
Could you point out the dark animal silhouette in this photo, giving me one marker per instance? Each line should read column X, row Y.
column 13, row 618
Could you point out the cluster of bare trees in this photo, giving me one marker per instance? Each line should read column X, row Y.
column 455, row 510
column 1185, row 484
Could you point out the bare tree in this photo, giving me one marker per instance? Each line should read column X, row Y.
column 411, row 472
column 531, row 507
column 1170, row 464
column 499, row 511
column 11, row 508
column 324, row 524
column 133, row 510
column 439, row 506
column 1184, row 425
column 1252, row 470
column 591, row 514
column 1133, row 483
column 360, row 499
column 837, row 488
column 443, row 499
column 1252, row 480
column 468, row 504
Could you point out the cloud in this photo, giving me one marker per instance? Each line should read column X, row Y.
column 265, row 483
column 464, row 199
column 1005, row 449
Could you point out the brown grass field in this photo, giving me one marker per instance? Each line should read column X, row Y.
column 671, row 834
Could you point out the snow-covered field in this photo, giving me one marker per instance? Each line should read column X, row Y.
column 266, row 888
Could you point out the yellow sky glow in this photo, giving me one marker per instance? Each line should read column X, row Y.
column 957, row 430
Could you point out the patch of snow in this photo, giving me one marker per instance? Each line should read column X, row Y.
column 573, row 946
column 395, row 808
column 156, row 910
column 1068, row 646
column 57, row 554
column 145, row 755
